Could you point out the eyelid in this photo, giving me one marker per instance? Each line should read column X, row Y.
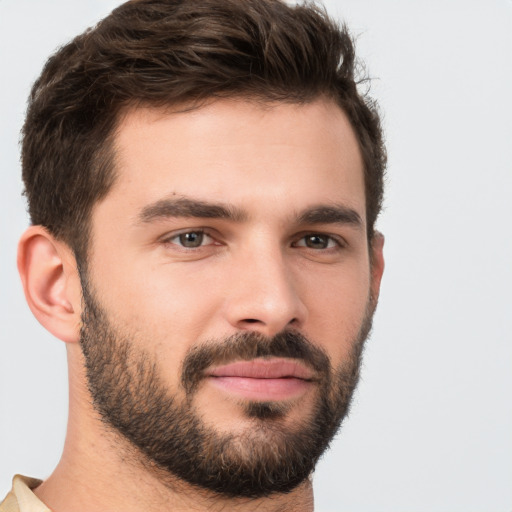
column 338, row 240
column 169, row 237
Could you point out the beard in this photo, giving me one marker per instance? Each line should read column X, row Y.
column 170, row 435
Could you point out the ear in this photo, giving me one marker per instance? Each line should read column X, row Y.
column 51, row 283
column 377, row 263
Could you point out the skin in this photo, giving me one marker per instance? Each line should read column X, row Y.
column 253, row 273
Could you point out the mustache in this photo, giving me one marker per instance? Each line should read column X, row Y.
column 246, row 346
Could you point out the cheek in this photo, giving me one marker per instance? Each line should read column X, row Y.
column 165, row 309
column 337, row 307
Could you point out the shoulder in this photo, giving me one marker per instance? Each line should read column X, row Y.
column 21, row 498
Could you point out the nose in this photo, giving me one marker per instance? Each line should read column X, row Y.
column 262, row 294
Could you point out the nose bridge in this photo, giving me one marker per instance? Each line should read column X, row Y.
column 264, row 295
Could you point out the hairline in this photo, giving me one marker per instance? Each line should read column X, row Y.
column 108, row 152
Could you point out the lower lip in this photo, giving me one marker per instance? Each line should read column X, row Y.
column 262, row 389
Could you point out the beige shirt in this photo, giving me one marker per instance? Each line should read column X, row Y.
column 21, row 498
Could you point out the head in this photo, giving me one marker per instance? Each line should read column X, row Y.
column 217, row 176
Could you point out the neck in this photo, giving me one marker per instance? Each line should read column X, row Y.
column 91, row 478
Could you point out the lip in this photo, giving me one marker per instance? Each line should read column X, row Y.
column 263, row 379
column 276, row 368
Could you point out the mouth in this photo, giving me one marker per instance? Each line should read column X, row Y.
column 273, row 379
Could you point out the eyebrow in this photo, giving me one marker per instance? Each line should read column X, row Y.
column 193, row 208
column 333, row 214
column 183, row 207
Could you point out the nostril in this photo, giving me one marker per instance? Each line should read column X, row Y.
column 256, row 321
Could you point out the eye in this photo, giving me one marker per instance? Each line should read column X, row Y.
column 191, row 239
column 317, row 241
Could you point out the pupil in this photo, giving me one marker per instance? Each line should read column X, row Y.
column 316, row 242
column 191, row 239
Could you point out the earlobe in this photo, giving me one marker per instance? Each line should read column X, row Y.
column 377, row 263
column 50, row 281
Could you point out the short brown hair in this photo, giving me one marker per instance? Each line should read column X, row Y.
column 171, row 52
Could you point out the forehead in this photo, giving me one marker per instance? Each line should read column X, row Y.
column 240, row 152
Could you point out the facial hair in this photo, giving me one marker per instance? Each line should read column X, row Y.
column 166, row 429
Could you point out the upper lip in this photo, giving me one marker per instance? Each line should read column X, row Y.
column 276, row 368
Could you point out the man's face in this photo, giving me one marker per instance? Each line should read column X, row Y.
column 229, row 291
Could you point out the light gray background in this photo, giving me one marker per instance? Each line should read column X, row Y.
column 431, row 425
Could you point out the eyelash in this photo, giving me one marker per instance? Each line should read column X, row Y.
column 201, row 232
column 333, row 242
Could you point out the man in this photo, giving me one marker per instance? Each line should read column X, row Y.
column 203, row 181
